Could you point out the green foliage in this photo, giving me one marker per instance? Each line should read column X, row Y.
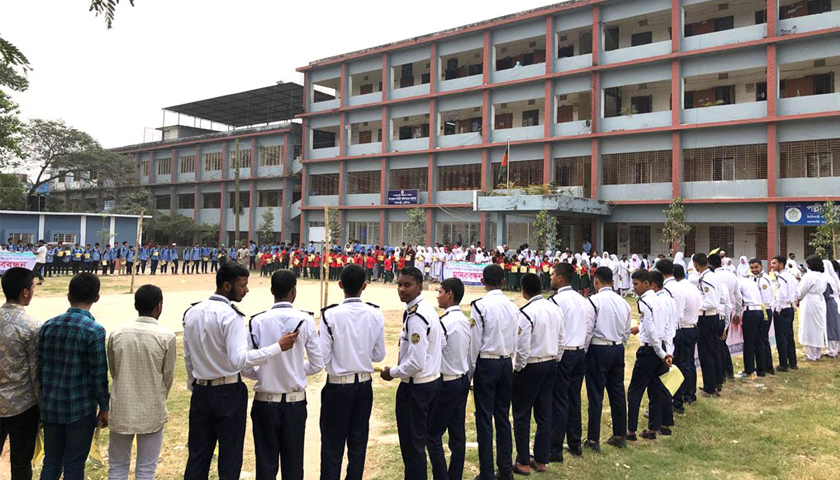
column 545, row 230
column 181, row 230
column 826, row 238
column 133, row 202
column 265, row 232
column 13, row 68
column 414, row 232
column 675, row 228
column 107, row 8
column 209, row 233
column 12, row 193
column 336, row 229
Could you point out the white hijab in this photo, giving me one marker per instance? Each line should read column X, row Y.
column 743, row 267
column 679, row 259
column 635, row 263
column 831, row 277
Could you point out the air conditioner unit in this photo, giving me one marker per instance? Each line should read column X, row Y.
column 365, row 77
column 503, row 50
column 504, row 105
column 532, row 102
column 643, row 86
column 532, row 44
column 723, row 6
column 477, row 55
column 405, row 119
column 476, row 109
column 819, row 63
column 562, row 97
column 723, row 76
column 643, row 23
column 428, row 65
column 563, row 38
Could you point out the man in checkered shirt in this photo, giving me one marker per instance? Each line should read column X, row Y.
column 74, row 381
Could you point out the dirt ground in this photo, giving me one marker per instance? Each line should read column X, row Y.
column 115, row 308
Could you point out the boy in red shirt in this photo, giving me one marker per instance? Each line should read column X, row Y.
column 370, row 261
column 388, row 274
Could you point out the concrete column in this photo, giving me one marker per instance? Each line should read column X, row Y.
column 501, row 229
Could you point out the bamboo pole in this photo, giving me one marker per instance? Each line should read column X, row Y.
column 139, row 238
column 325, row 284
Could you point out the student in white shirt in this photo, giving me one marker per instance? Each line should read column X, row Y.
column 421, row 348
column 451, row 409
column 352, row 338
column 278, row 413
column 651, row 359
column 667, row 308
column 685, row 340
column 494, row 323
column 787, row 289
column 708, row 325
column 765, row 288
column 540, row 334
column 605, row 360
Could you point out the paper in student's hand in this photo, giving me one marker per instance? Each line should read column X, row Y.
column 672, row 379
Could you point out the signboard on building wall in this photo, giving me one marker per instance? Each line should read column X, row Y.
column 804, row 214
column 402, row 197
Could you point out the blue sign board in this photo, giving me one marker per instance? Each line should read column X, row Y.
column 403, row 197
column 803, row 214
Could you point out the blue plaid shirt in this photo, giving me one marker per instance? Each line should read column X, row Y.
column 73, row 367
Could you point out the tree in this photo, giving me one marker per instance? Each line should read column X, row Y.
column 545, row 230
column 336, row 229
column 107, row 8
column 265, row 231
column 826, row 238
column 675, row 229
column 414, row 232
column 133, row 201
column 12, row 193
column 13, row 69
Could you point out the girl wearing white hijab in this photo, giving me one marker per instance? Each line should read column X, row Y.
column 616, row 268
column 679, row 259
column 812, row 309
column 635, row 263
column 832, row 317
column 743, row 267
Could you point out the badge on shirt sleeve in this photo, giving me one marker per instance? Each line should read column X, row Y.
column 413, row 309
column 764, row 287
column 706, row 289
column 415, row 338
column 520, row 330
column 472, row 322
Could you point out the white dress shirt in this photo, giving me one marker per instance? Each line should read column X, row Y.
column 730, row 294
column 667, row 307
column 710, row 290
column 678, row 295
column 578, row 317
column 216, row 342
column 286, row 372
column 765, row 287
column 455, row 358
column 692, row 298
column 612, row 316
column 787, row 290
column 651, row 327
column 494, row 321
column 352, row 337
column 421, row 341
column 540, row 332
column 750, row 295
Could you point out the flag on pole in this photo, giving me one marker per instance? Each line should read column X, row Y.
column 505, row 170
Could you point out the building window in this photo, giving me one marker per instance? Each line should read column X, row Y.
column 364, row 182
column 164, row 166
column 716, row 164
column 610, row 237
column 64, row 238
column 808, row 233
column 640, row 239
column 363, row 232
column 144, row 168
column 523, row 174
column 464, row 233
column 270, row 156
column 270, row 198
column 186, row 201
column 642, row 38
column 573, row 171
column 244, row 199
column 24, row 238
column 810, row 159
column 459, row 177
column 244, row 159
column 324, row 184
column 163, row 202
column 691, row 241
column 636, row 168
column 211, row 200
column 395, row 233
column 410, row 179
column 723, row 237
column 186, row 164
column 212, row 161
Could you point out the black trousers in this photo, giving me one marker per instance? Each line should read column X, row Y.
column 39, row 271
column 449, row 415
column 164, row 266
column 605, row 369
column 765, row 339
column 492, row 385
column 279, row 429
column 646, row 372
column 217, row 414
column 415, row 404
column 708, row 349
column 22, row 430
column 753, row 346
column 76, row 267
column 252, row 262
column 533, row 388
column 785, row 343
column 128, row 267
column 154, row 267
column 214, row 266
column 685, row 341
column 665, row 402
column 204, row 266
column 175, row 266
column 566, row 419
column 345, row 416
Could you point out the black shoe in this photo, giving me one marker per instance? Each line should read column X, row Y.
column 617, row 441
column 782, row 369
column 592, row 445
column 761, row 374
column 556, row 458
column 631, row 438
column 576, row 451
column 665, row 431
column 771, row 371
column 648, row 435
column 794, row 367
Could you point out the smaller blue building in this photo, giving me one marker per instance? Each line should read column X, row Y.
column 82, row 228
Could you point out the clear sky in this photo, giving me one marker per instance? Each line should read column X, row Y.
column 113, row 83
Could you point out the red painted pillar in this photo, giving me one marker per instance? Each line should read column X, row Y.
column 676, row 164
column 772, row 231
column 594, row 168
column 596, row 34
column 772, row 81
column 676, row 25
column 772, row 17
